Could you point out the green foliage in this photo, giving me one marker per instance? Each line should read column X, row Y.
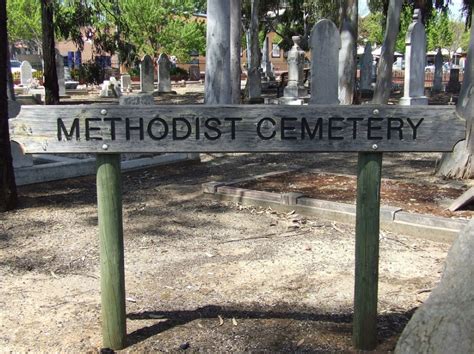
column 162, row 25
column 298, row 17
column 439, row 33
column 406, row 18
column 24, row 21
column 179, row 73
column 371, row 29
column 91, row 73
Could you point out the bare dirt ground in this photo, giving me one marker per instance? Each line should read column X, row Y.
column 200, row 273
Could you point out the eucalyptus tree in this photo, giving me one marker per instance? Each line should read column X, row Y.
column 8, row 194
column 49, row 53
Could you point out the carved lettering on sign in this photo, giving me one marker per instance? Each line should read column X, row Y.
column 86, row 129
column 267, row 128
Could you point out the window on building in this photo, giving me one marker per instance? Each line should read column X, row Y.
column 276, row 51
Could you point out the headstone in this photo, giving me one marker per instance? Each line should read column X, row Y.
column 445, row 322
column 164, row 73
column 194, row 73
column 26, row 73
column 366, row 69
column 126, row 83
column 105, row 89
column 438, row 75
column 454, row 86
column 295, row 87
column 147, row 76
column 267, row 70
column 20, row 159
column 325, row 43
column 60, row 73
column 115, row 87
column 414, row 89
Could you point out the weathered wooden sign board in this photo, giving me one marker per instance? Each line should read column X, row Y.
column 117, row 129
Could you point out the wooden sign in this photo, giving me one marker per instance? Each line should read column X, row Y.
column 200, row 128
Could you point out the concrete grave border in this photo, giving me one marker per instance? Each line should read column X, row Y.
column 60, row 167
column 392, row 219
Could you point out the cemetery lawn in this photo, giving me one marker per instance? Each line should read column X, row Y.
column 208, row 275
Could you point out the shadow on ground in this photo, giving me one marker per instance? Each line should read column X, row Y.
column 285, row 322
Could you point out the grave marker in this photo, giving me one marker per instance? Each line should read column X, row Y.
column 267, row 71
column 26, row 73
column 147, row 79
column 194, row 73
column 366, row 69
column 126, row 83
column 60, row 72
column 295, row 87
column 164, row 74
column 325, row 44
column 454, row 86
column 438, row 74
column 414, row 89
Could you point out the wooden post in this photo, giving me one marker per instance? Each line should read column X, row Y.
column 369, row 176
column 112, row 278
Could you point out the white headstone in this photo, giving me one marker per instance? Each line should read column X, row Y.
column 105, row 89
column 325, row 43
column 164, row 73
column 295, row 87
column 147, row 79
column 126, row 83
column 60, row 73
column 20, row 159
column 415, row 54
column 115, row 87
column 26, row 73
column 366, row 69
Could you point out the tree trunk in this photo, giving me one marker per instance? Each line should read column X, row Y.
column 254, row 80
column 10, row 83
column 218, row 76
column 383, row 85
column 49, row 53
column 348, row 52
column 459, row 163
column 8, row 196
column 235, row 48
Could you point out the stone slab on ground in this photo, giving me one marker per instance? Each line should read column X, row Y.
column 445, row 322
column 463, row 200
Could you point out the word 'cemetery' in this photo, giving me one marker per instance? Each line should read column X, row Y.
column 267, row 128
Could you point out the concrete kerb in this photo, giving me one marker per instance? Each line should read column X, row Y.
column 64, row 168
column 391, row 218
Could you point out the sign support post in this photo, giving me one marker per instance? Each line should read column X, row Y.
column 369, row 176
column 112, row 277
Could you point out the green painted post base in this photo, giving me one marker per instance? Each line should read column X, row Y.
column 369, row 176
column 112, row 278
